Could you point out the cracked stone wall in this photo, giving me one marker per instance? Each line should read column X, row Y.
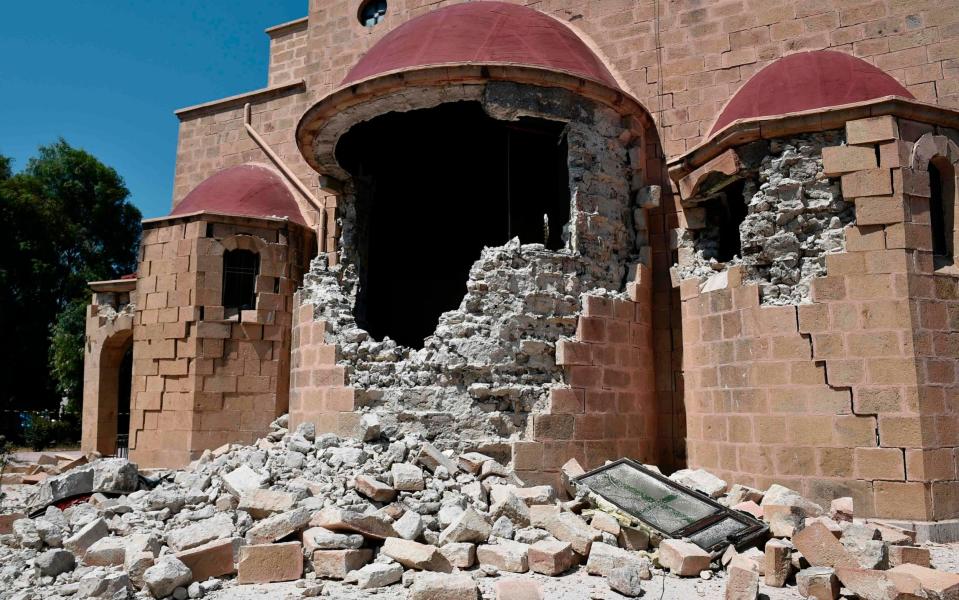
column 794, row 217
column 490, row 362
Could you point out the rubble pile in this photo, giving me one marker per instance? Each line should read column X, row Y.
column 399, row 513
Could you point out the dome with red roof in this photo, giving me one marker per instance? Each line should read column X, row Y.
column 246, row 190
column 482, row 33
column 807, row 81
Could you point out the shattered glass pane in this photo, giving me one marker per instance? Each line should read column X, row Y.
column 661, row 505
column 717, row 533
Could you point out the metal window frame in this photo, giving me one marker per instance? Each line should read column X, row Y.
column 753, row 528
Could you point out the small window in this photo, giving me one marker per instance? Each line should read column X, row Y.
column 724, row 214
column 240, row 269
column 942, row 208
column 372, row 12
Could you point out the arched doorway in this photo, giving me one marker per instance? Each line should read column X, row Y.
column 106, row 409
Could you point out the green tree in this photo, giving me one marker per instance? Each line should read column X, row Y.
column 65, row 220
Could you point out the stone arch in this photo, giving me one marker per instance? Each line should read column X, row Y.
column 938, row 157
column 104, row 357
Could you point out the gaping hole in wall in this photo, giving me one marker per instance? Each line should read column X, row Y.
column 725, row 212
column 240, row 268
column 124, row 389
column 942, row 208
column 433, row 187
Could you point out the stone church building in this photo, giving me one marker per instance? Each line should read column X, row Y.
column 719, row 234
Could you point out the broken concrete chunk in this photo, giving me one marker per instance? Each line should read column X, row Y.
column 106, row 552
column 683, row 558
column 409, row 526
column 335, row 564
column 321, row 538
column 700, row 480
column 266, row 563
column 871, row 554
column 108, row 475
column 377, row 575
column 505, row 555
column 166, row 575
column 109, row 585
column 439, row 586
column 53, row 562
column 513, row 509
column 263, row 503
column 416, row 556
column 627, row 580
column 25, row 530
column 79, row 542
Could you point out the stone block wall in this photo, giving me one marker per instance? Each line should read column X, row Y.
column 288, row 52
column 200, row 378
column 847, row 394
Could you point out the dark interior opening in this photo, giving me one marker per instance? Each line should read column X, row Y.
column 725, row 212
column 434, row 187
column 125, row 386
column 240, row 269
column 942, row 207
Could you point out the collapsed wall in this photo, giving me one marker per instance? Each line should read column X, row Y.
column 794, row 216
column 491, row 362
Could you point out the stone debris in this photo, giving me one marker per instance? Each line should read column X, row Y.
column 400, row 512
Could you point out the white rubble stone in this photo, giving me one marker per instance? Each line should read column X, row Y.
column 439, row 586
column 217, row 527
column 409, row 526
column 106, row 552
column 377, row 575
column 242, row 479
column 603, row 558
column 79, row 542
column 407, row 477
column 166, row 575
column 700, row 480
column 53, row 562
column 470, row 526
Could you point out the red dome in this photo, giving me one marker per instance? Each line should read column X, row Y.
column 806, row 81
column 483, row 33
column 246, row 190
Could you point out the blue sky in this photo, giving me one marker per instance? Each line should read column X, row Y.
column 107, row 75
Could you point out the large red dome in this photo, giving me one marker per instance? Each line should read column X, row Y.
column 807, row 81
column 482, row 33
column 246, row 190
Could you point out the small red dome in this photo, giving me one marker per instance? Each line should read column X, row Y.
column 806, row 81
column 482, row 33
column 246, row 190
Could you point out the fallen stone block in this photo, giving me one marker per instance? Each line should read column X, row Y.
column 751, row 558
column 407, row 477
column 841, row 509
column 27, row 534
column 513, row 588
column 505, row 555
column 54, row 562
column 786, row 510
column 79, row 542
column 321, row 538
column 870, row 584
column 627, row 580
column 603, row 558
column 742, row 493
column 537, row 494
column 374, row 489
column 895, row 535
column 439, row 586
column 166, row 575
column 567, row 527
column 513, row 509
column 106, row 552
column 136, row 563
column 6, row 522
column 414, row 555
column 540, row 514
column 570, row 470
column 821, row 548
column 601, row 521
column 550, row 557
column 368, row 525
column 430, row 457
column 778, row 562
column 335, row 564
column 109, row 585
column 870, row 554
column 263, row 503
column 409, row 526
column 278, row 526
column 460, row 554
column 701, row 481
column 377, row 575
column 108, row 476
column 908, row 555
column 217, row 527
column 938, row 585
column 213, row 559
column 683, row 558
column 633, row 538
column 469, row 526
column 472, row 462
column 266, row 563
column 751, row 508
column 741, row 584
column 818, row 583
